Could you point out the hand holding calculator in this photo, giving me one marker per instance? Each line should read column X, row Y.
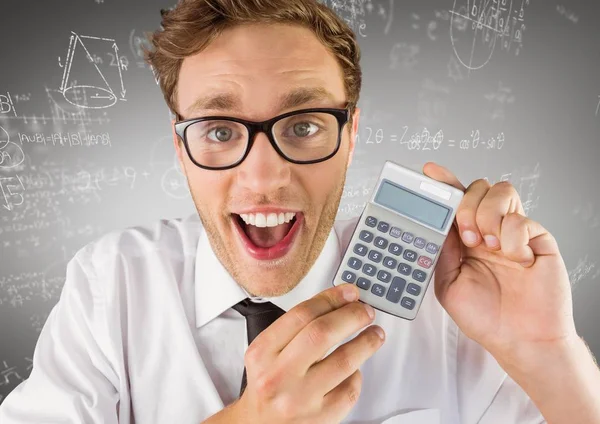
column 395, row 247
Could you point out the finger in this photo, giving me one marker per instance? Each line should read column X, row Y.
column 272, row 340
column 319, row 336
column 467, row 211
column 501, row 199
column 523, row 239
column 328, row 373
column 448, row 264
column 338, row 403
column 442, row 174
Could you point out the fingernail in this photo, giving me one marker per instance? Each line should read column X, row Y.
column 491, row 241
column 379, row 332
column 469, row 237
column 370, row 310
column 350, row 293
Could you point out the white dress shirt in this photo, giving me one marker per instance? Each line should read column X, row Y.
column 144, row 333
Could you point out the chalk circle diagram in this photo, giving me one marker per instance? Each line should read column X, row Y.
column 475, row 26
column 84, row 82
column 173, row 182
column 137, row 44
column 11, row 154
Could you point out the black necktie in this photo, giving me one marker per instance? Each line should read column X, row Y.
column 258, row 317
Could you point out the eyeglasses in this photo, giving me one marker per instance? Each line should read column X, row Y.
column 302, row 136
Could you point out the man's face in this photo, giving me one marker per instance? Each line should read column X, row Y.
column 257, row 65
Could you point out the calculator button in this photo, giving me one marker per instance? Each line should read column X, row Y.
column 383, row 227
column 380, row 242
column 384, row 276
column 419, row 275
column 432, row 248
column 395, row 232
column 378, row 290
column 420, row 242
column 408, row 237
column 390, row 262
column 408, row 303
column 369, row 269
column 375, row 256
column 349, row 277
column 366, row 236
column 363, row 283
column 396, row 289
column 424, row 261
column 410, row 255
column 404, row 269
column 371, row 221
column 395, row 249
column 354, row 263
column 413, row 289
column 360, row 249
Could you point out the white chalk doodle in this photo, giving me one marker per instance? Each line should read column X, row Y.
column 95, row 92
column 477, row 26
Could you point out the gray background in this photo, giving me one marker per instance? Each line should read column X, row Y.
column 517, row 102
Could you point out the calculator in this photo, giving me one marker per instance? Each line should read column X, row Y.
column 395, row 246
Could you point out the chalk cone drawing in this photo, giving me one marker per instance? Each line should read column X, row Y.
column 84, row 84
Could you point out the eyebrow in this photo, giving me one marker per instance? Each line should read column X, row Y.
column 292, row 99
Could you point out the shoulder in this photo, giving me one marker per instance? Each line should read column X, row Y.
column 343, row 229
column 165, row 241
column 173, row 239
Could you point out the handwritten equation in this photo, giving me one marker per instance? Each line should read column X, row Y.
column 425, row 140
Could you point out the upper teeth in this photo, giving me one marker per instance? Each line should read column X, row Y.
column 269, row 220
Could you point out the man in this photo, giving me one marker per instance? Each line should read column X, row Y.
column 152, row 325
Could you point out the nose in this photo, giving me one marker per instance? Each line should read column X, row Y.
column 263, row 171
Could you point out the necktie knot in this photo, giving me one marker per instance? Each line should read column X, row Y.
column 247, row 308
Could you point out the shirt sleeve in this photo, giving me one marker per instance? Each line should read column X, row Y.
column 512, row 405
column 486, row 393
column 72, row 380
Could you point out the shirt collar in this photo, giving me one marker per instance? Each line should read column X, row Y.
column 216, row 291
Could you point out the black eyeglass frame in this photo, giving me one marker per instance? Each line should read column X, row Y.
column 253, row 127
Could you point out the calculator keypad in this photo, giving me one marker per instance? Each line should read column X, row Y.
column 354, row 263
column 383, row 227
column 375, row 256
column 395, row 232
column 366, row 236
column 380, row 242
column 410, row 255
column 371, row 221
column 392, row 264
column 395, row 249
column 389, row 262
column 404, row 269
column 369, row 269
column 360, row 249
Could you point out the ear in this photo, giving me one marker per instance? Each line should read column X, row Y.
column 353, row 133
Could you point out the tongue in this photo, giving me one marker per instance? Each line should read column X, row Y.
column 267, row 236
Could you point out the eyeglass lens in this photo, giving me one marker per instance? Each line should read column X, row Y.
column 302, row 137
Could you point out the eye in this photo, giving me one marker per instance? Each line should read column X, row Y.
column 303, row 129
column 222, row 134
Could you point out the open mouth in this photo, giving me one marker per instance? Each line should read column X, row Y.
column 267, row 236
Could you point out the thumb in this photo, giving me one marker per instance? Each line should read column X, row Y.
column 448, row 264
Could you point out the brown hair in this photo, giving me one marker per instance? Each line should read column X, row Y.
column 190, row 26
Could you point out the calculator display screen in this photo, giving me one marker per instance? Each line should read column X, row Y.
column 411, row 204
